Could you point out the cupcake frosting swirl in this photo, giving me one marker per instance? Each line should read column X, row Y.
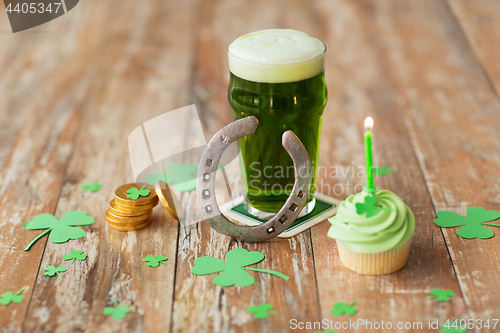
column 388, row 230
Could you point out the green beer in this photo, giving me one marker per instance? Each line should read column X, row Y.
column 283, row 94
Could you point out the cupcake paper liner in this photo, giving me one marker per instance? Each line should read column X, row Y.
column 374, row 263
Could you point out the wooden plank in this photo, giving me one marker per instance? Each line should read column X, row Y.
column 199, row 305
column 453, row 118
column 358, row 87
column 145, row 72
column 480, row 21
column 41, row 105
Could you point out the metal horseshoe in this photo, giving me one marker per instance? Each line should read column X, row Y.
column 205, row 187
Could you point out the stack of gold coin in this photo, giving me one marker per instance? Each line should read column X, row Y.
column 132, row 209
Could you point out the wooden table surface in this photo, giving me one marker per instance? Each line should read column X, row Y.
column 73, row 89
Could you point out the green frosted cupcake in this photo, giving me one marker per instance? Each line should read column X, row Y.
column 373, row 232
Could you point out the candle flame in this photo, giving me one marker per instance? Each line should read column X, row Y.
column 369, row 123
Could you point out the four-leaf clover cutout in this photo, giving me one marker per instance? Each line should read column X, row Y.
column 52, row 270
column 92, row 187
column 261, row 311
column 441, row 295
column 341, row 308
column 61, row 230
column 74, row 255
column 117, row 312
column 155, row 261
column 233, row 268
column 473, row 224
column 8, row 297
column 134, row 193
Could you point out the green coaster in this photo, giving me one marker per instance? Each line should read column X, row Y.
column 325, row 208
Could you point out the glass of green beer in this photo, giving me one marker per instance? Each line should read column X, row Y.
column 277, row 75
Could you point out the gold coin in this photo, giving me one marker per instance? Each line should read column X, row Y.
column 127, row 220
column 139, row 208
column 133, row 228
column 121, row 195
column 116, row 210
column 169, row 200
column 125, row 225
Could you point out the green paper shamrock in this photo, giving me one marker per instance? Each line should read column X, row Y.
column 453, row 327
column 92, row 187
column 152, row 178
column 134, row 193
column 52, row 270
column 186, row 186
column 155, row 261
column 233, row 268
column 261, row 311
column 341, row 308
column 381, row 171
column 115, row 312
column 8, row 297
column 473, row 225
column 74, row 254
column 181, row 175
column 327, row 331
column 61, row 230
column 441, row 295
column 368, row 207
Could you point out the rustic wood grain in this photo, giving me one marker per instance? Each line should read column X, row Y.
column 359, row 87
column 480, row 21
column 452, row 115
column 41, row 103
column 199, row 305
column 73, row 89
column 136, row 81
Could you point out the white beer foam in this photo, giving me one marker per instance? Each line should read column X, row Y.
column 276, row 56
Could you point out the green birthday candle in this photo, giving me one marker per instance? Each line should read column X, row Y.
column 370, row 188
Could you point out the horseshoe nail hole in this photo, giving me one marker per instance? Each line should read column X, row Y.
column 270, row 230
column 283, row 219
column 293, row 207
column 206, row 194
column 206, row 177
column 301, row 194
column 208, row 209
column 209, row 162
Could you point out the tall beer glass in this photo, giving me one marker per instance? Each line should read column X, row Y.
column 277, row 75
